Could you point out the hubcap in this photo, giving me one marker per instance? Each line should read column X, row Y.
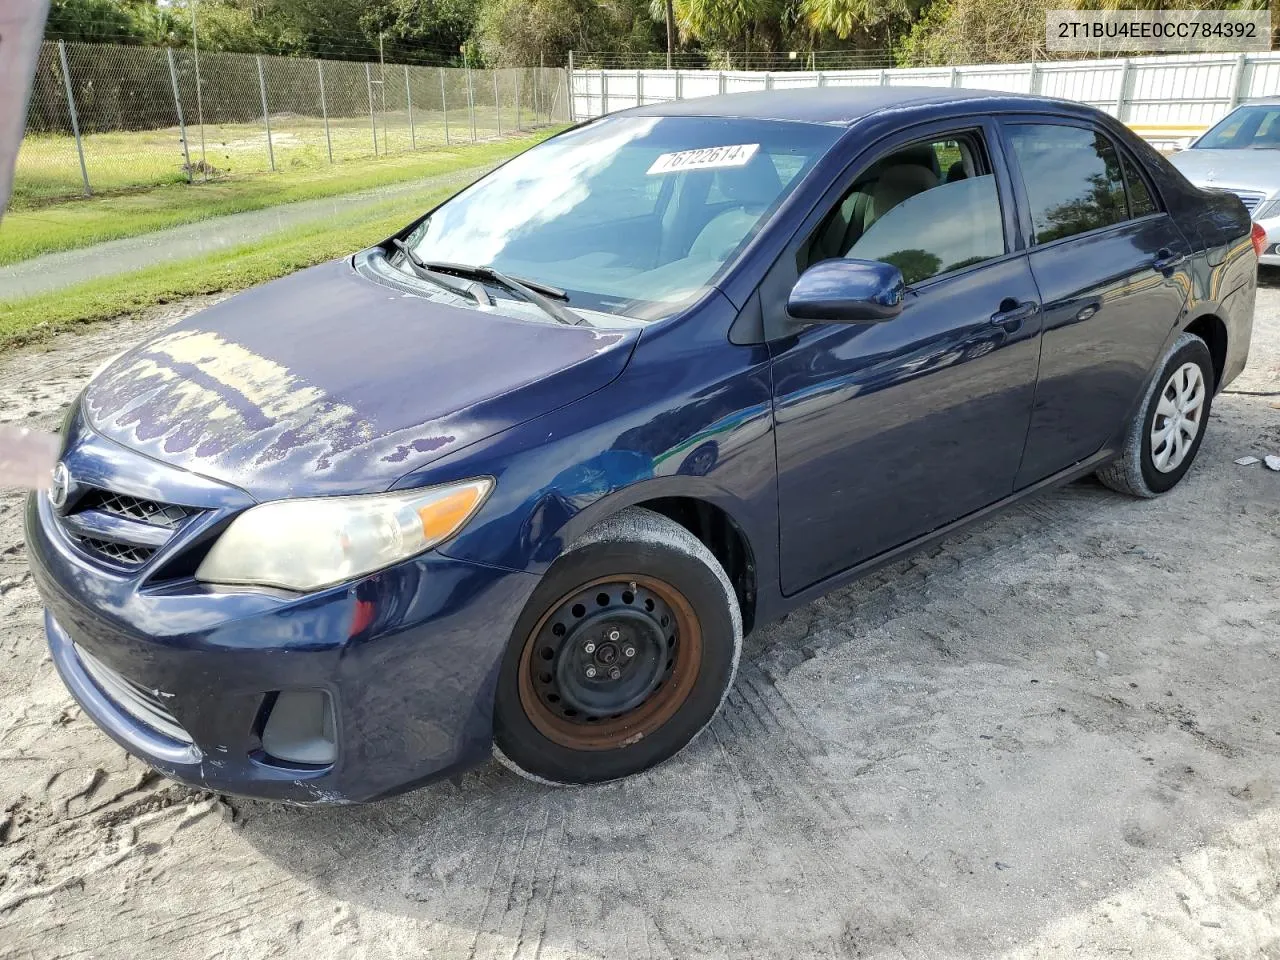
column 1179, row 416
column 610, row 663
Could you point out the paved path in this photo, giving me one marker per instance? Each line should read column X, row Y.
column 54, row 271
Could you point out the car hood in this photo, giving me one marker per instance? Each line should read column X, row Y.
column 326, row 382
column 1244, row 169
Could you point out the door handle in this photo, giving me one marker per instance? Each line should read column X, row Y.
column 1166, row 260
column 1012, row 313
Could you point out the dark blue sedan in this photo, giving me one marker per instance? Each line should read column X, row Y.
column 520, row 478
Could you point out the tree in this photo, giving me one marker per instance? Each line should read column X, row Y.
column 101, row 21
column 524, row 31
column 729, row 25
column 875, row 23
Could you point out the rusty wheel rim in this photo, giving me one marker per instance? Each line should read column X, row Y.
column 610, row 662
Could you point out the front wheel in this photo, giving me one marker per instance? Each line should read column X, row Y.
column 623, row 655
column 1165, row 436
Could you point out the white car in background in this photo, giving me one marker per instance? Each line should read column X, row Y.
column 1241, row 153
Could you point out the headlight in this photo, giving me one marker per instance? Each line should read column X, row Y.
column 314, row 543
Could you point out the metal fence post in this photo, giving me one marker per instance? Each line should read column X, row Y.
column 573, row 106
column 1122, row 94
column 373, row 120
column 75, row 120
column 497, row 102
column 519, row 125
column 471, row 99
column 884, row 77
column 266, row 117
column 639, row 88
column 1035, row 77
column 1237, row 78
column 324, row 109
column 604, row 93
column 408, row 99
column 724, row 84
column 177, row 104
column 822, row 81
column 955, row 77
column 538, row 76
column 444, row 107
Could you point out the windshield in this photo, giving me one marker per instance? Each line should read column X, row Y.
column 629, row 215
column 1249, row 128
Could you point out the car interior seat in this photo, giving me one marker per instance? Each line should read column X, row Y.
column 750, row 191
column 919, row 171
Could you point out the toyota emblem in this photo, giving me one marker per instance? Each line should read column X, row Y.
column 60, row 486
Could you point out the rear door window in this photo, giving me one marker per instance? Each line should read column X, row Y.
column 1073, row 178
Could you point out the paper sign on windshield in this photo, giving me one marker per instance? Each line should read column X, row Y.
column 705, row 158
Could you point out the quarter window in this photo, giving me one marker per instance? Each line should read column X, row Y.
column 1073, row 179
column 1140, row 202
column 928, row 209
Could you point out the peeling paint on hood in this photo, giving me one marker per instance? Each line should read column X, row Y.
column 325, row 382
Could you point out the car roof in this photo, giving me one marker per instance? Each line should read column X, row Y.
column 843, row 105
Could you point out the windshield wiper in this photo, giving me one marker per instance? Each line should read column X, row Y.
column 488, row 273
column 423, row 272
column 539, row 294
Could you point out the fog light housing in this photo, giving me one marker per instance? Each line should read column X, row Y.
column 301, row 729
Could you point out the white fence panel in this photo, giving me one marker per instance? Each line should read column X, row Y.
column 920, row 77
column 1261, row 77
column 660, row 86
column 741, row 82
column 797, row 78
column 1168, row 100
column 699, row 83
column 854, row 78
column 1015, row 79
column 1095, row 82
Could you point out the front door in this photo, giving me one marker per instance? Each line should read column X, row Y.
column 887, row 431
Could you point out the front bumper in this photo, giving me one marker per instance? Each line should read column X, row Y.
column 409, row 657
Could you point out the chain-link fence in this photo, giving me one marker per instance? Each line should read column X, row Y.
column 108, row 118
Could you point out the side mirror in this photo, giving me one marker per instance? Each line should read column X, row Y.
column 848, row 291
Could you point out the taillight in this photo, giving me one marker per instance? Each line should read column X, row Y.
column 1259, row 238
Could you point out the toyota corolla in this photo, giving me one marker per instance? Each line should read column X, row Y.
column 520, row 478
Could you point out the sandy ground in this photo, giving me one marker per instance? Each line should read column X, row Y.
column 1056, row 734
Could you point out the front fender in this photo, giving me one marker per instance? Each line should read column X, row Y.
column 691, row 417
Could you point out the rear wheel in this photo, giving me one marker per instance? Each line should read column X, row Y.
column 1165, row 436
column 622, row 656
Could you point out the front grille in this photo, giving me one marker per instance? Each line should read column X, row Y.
column 148, row 707
column 167, row 515
column 122, row 553
column 1250, row 199
column 123, row 530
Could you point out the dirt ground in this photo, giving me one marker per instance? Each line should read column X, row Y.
column 1055, row 734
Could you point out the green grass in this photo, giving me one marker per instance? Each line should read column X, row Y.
column 48, row 167
column 34, row 318
column 26, row 233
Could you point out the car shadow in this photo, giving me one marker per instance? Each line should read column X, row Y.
column 1012, row 731
column 1268, row 276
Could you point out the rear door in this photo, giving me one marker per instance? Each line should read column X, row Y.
column 1112, row 271
column 887, row 431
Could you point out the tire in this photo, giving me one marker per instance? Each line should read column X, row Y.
column 556, row 723
column 1139, row 471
